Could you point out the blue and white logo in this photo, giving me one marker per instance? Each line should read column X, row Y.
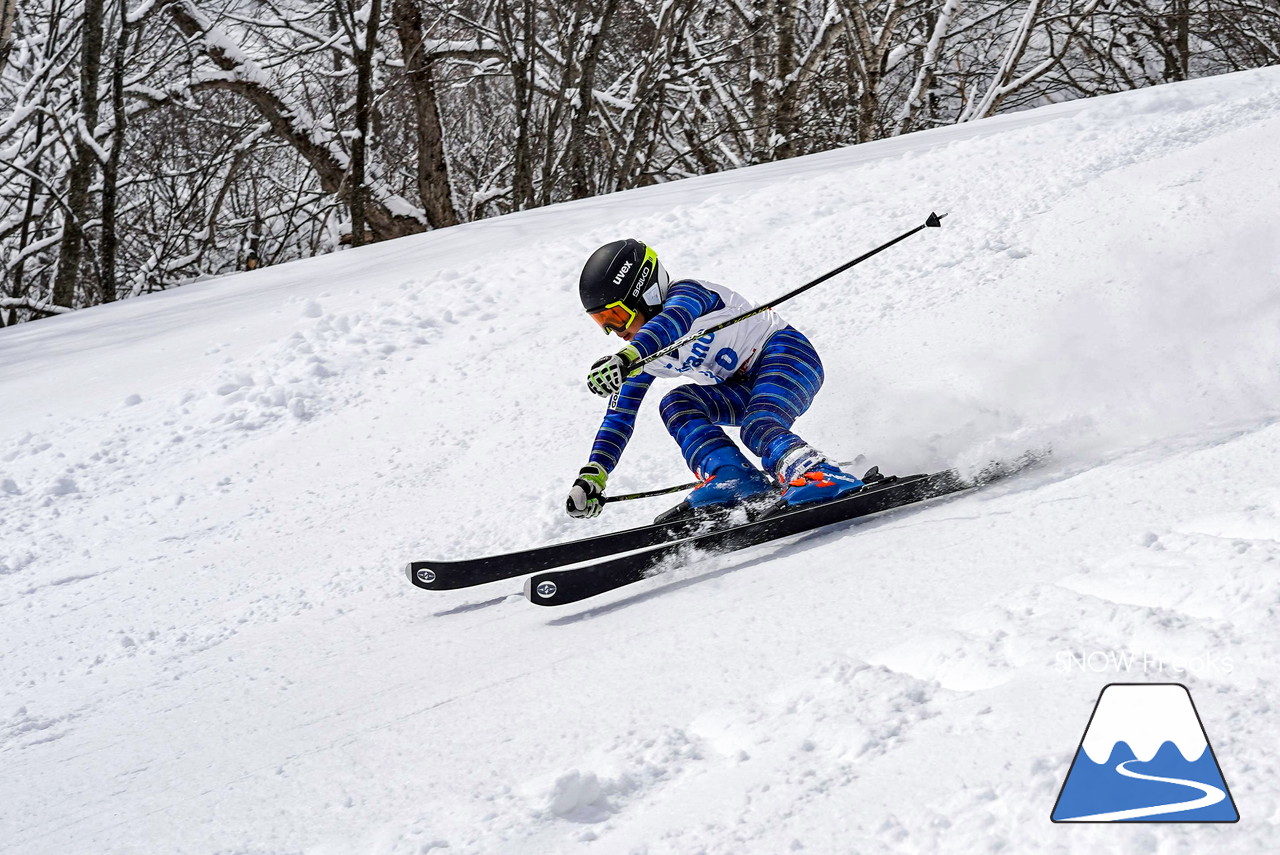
column 1145, row 757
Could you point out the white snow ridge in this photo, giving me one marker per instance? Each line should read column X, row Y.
column 208, row 645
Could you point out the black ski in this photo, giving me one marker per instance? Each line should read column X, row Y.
column 674, row 524
column 447, row 575
column 568, row 586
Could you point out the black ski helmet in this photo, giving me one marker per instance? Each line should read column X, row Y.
column 626, row 272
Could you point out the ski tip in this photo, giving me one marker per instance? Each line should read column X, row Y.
column 541, row 591
column 420, row 574
column 934, row 221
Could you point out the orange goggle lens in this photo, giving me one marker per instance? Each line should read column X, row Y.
column 614, row 317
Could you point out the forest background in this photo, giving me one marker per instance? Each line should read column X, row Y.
column 147, row 144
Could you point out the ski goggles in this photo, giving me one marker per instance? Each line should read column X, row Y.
column 614, row 317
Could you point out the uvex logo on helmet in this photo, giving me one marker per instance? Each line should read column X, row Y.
column 622, row 273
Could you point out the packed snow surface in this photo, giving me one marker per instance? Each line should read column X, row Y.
column 207, row 496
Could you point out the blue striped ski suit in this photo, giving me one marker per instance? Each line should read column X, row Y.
column 764, row 400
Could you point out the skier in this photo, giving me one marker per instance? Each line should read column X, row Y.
column 759, row 374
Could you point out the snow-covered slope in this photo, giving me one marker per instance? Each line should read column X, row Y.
column 207, row 643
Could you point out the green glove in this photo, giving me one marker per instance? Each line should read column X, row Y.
column 608, row 372
column 586, row 499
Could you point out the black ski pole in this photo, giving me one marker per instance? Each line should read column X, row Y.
column 934, row 221
column 648, row 494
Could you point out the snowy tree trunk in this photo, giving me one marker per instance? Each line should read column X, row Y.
column 517, row 33
column 870, row 50
column 924, row 77
column 565, row 45
column 432, row 168
column 19, row 287
column 365, row 48
column 643, row 123
column 785, row 106
column 1181, row 27
column 584, row 101
column 8, row 13
column 84, row 158
column 111, row 169
column 758, row 84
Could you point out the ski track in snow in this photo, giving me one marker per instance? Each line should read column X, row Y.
column 207, row 644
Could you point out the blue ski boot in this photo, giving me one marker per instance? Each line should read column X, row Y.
column 729, row 481
column 821, row 482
